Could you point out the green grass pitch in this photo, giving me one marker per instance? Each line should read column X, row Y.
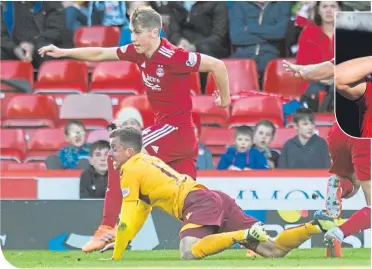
column 309, row 258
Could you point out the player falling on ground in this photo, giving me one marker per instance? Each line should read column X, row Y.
column 211, row 220
column 166, row 72
column 351, row 157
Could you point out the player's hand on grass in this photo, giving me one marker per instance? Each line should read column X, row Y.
column 107, row 247
column 52, row 51
column 220, row 102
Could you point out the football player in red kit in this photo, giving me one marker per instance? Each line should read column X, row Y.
column 165, row 72
column 351, row 157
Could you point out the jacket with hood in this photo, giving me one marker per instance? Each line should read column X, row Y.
column 252, row 159
column 313, row 155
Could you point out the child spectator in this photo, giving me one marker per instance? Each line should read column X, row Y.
column 306, row 150
column 264, row 133
column 204, row 160
column 93, row 181
column 243, row 156
column 77, row 149
column 129, row 117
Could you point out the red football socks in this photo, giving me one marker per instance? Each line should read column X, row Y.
column 359, row 221
column 112, row 203
column 346, row 187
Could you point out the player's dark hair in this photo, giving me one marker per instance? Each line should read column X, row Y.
column 146, row 17
column 303, row 114
column 265, row 123
column 73, row 122
column 317, row 19
column 244, row 130
column 98, row 145
column 129, row 137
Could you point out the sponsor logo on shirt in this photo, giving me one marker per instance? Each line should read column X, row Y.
column 151, row 82
column 191, row 61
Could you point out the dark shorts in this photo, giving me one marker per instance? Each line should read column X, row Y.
column 208, row 212
column 176, row 145
column 349, row 155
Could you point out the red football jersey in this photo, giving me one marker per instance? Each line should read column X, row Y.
column 166, row 76
column 365, row 112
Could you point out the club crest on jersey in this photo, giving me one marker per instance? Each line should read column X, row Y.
column 160, row 72
column 191, row 61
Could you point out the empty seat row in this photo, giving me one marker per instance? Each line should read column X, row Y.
column 96, row 111
column 120, row 77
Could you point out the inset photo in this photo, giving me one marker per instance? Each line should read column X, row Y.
column 353, row 73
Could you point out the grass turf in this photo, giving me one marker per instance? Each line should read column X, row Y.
column 311, row 258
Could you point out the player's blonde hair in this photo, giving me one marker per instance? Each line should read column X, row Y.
column 129, row 137
column 145, row 17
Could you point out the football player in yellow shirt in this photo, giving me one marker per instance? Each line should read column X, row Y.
column 211, row 220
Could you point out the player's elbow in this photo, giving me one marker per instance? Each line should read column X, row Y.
column 341, row 84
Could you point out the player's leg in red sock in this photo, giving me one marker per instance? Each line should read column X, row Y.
column 112, row 203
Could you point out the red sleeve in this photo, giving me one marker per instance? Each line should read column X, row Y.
column 303, row 49
column 127, row 53
column 185, row 62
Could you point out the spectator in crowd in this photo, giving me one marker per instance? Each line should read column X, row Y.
column 93, row 181
column 107, row 13
column 125, row 35
column 77, row 149
column 306, row 150
column 264, row 132
column 27, row 26
column 243, row 156
column 129, row 117
column 315, row 45
column 199, row 26
column 204, row 160
column 257, row 30
column 76, row 14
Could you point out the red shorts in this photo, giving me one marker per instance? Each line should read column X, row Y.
column 175, row 145
column 215, row 211
column 349, row 155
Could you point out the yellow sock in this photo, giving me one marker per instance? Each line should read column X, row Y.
column 212, row 244
column 294, row 237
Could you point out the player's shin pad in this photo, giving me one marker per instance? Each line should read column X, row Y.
column 294, row 237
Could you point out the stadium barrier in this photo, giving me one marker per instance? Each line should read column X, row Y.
column 42, row 210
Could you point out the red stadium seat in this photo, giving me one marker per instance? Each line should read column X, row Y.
column 195, row 83
column 62, row 77
column 321, row 119
column 143, row 105
column 97, row 36
column 43, row 143
column 248, row 111
column 16, row 70
column 95, row 135
column 94, row 110
column 278, row 80
column 281, row 136
column 210, row 114
column 242, row 76
column 13, row 145
column 217, row 139
column 25, row 166
column 30, row 110
column 118, row 78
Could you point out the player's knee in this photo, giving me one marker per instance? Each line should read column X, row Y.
column 186, row 254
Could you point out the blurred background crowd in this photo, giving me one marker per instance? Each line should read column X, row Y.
column 49, row 108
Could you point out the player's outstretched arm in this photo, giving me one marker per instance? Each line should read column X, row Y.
column 93, row 54
column 350, row 77
column 219, row 71
column 314, row 72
